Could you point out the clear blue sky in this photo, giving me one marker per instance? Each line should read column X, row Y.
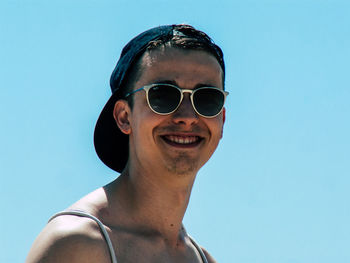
column 277, row 188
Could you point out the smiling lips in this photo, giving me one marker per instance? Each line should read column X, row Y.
column 182, row 140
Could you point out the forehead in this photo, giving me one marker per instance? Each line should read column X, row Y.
column 184, row 67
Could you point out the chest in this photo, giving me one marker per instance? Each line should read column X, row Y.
column 132, row 248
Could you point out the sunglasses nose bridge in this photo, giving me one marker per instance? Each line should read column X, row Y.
column 189, row 91
column 185, row 106
column 189, row 97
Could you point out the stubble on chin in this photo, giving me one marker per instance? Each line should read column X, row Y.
column 182, row 165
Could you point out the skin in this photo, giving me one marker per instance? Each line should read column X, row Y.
column 144, row 207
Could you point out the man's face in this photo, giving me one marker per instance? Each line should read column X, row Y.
column 183, row 141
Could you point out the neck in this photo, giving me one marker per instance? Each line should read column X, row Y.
column 155, row 202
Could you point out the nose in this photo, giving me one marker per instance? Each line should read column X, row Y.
column 185, row 113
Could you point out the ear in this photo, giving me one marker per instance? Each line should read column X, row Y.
column 223, row 120
column 121, row 114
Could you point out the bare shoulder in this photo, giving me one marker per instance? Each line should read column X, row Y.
column 208, row 256
column 69, row 239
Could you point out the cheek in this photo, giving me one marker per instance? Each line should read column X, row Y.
column 144, row 123
column 216, row 125
column 216, row 130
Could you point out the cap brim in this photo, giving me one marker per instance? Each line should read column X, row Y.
column 111, row 145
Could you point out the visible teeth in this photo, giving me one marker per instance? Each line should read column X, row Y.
column 182, row 139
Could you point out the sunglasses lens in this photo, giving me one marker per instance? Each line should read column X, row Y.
column 164, row 98
column 208, row 101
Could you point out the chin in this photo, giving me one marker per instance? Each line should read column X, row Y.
column 183, row 165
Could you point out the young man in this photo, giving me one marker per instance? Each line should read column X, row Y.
column 160, row 126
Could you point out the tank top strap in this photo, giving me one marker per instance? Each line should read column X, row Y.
column 200, row 251
column 204, row 258
column 103, row 229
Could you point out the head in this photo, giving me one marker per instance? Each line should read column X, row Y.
column 111, row 144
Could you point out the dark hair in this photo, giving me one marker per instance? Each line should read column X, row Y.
column 187, row 37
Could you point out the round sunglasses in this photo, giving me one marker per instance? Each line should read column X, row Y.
column 164, row 99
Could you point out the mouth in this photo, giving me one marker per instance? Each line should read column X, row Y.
column 182, row 141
